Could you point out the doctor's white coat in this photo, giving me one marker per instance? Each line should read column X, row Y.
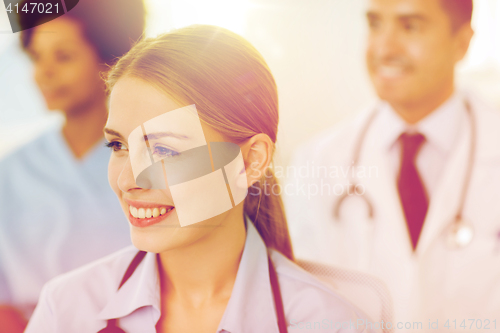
column 434, row 282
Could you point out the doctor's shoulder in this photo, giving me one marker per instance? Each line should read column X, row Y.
column 332, row 141
column 488, row 125
column 81, row 293
column 313, row 306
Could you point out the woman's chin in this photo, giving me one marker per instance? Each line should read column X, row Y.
column 149, row 245
column 155, row 241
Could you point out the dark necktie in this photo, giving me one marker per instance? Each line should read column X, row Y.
column 411, row 189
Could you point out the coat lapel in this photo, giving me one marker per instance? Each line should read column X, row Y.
column 443, row 205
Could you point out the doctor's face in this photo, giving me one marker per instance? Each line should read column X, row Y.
column 412, row 50
column 153, row 217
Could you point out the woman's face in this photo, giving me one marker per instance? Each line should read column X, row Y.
column 132, row 103
column 67, row 66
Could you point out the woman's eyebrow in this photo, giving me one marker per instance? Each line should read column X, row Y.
column 157, row 135
column 111, row 132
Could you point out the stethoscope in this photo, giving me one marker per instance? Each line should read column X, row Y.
column 112, row 324
column 460, row 232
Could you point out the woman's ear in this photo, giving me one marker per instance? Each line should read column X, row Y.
column 257, row 154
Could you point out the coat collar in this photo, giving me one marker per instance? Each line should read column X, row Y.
column 440, row 128
column 444, row 126
column 141, row 289
column 251, row 300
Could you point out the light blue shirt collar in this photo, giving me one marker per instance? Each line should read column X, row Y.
column 251, row 300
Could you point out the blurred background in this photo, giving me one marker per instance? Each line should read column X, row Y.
column 314, row 48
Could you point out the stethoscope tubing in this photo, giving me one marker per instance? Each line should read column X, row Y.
column 357, row 154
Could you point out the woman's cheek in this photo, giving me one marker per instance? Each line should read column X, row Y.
column 113, row 174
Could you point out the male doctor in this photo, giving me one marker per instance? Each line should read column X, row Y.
column 420, row 208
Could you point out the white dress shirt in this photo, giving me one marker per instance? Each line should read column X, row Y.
column 436, row 280
column 83, row 300
column 440, row 128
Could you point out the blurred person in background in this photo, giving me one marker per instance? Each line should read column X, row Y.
column 57, row 211
column 409, row 190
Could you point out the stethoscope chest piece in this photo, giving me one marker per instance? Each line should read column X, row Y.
column 460, row 234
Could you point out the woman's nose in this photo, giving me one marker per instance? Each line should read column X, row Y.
column 126, row 179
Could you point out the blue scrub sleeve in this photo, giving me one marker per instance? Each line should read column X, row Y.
column 5, row 296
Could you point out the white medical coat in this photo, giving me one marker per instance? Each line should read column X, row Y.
column 435, row 282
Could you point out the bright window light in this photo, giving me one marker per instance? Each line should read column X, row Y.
column 165, row 15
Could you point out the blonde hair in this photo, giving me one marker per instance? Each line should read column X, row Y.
column 234, row 92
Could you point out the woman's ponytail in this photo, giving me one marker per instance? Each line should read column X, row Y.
column 234, row 92
column 264, row 206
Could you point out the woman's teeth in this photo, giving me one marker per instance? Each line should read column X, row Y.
column 142, row 213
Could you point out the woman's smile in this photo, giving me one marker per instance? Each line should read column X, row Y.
column 144, row 214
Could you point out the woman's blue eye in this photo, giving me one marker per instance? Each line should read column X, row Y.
column 115, row 145
column 164, row 151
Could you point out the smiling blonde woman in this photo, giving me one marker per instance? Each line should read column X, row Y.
column 233, row 272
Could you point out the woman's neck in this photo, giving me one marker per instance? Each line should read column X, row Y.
column 204, row 272
column 84, row 129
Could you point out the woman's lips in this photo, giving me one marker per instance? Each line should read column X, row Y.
column 148, row 215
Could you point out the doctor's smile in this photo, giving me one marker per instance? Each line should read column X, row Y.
column 391, row 72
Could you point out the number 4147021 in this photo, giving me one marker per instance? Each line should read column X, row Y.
column 472, row 324
column 34, row 7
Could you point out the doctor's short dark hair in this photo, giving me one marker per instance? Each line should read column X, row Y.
column 111, row 26
column 459, row 11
